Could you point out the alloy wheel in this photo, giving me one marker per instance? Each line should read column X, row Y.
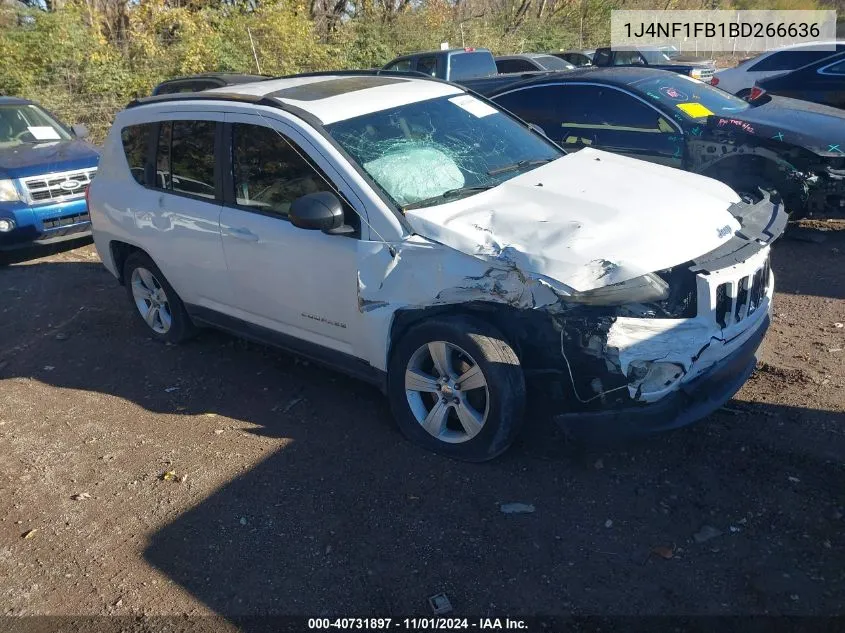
column 151, row 300
column 447, row 392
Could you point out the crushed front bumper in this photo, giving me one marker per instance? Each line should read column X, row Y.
column 694, row 400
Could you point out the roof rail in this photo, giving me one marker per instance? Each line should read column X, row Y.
column 413, row 74
column 202, row 96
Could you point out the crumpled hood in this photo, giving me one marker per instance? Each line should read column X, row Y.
column 588, row 219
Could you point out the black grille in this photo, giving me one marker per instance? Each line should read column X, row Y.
column 741, row 297
column 723, row 305
column 58, row 223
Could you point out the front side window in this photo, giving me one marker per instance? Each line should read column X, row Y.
column 269, row 171
column 427, row 153
column 580, row 106
column 627, row 58
column 134, row 139
column 690, row 98
column 185, row 157
column 403, row 65
column 427, row 65
column 655, row 57
column 28, row 124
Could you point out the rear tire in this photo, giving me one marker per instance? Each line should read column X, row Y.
column 154, row 301
column 456, row 388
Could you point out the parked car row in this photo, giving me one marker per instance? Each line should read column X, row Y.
column 454, row 240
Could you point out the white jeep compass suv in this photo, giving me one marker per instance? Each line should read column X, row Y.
column 412, row 234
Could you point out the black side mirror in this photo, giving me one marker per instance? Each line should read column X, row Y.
column 321, row 211
column 80, row 130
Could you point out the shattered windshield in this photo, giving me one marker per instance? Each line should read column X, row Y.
column 28, row 124
column 431, row 152
column 690, row 97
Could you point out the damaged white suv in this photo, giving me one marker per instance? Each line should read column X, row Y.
column 412, row 234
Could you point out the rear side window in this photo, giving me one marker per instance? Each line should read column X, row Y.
column 466, row 65
column 185, row 158
column 836, row 69
column 134, row 139
column 602, row 57
column 514, row 66
column 788, row 60
column 549, row 62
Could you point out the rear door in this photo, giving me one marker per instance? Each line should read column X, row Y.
column 577, row 115
column 177, row 213
column 298, row 282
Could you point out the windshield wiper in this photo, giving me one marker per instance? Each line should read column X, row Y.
column 522, row 164
column 449, row 193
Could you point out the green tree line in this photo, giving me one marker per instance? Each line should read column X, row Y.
column 85, row 59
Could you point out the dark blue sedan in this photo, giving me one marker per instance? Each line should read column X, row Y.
column 795, row 149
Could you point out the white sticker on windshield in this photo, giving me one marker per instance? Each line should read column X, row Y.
column 44, row 133
column 473, row 106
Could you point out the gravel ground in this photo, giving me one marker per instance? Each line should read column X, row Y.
column 293, row 493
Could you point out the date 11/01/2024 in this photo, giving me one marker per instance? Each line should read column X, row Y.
column 722, row 29
column 418, row 624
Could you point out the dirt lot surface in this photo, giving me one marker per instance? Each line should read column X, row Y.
column 294, row 493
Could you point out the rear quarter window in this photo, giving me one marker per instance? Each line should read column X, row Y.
column 134, row 140
column 788, row 60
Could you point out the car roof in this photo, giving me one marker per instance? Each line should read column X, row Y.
column 15, row 101
column 614, row 75
column 630, row 48
column 327, row 97
column 524, row 56
column 468, row 49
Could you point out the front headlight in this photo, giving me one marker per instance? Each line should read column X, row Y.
column 8, row 191
column 645, row 289
column 695, row 73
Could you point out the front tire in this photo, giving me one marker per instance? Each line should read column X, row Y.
column 456, row 388
column 154, row 300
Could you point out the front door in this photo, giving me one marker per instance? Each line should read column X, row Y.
column 298, row 282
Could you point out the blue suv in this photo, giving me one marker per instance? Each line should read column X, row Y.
column 45, row 168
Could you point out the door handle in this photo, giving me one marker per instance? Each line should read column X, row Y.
column 243, row 234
